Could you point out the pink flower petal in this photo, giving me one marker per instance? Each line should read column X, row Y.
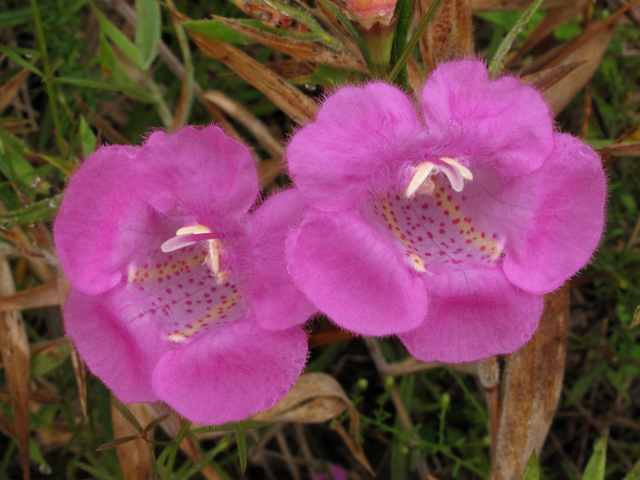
column 355, row 274
column 206, row 174
column 360, row 132
column 501, row 124
column 568, row 196
column 102, row 222
column 121, row 353
column 276, row 301
column 474, row 313
column 239, row 370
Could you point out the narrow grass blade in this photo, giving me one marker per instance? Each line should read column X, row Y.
column 496, row 63
column 242, row 446
column 126, row 413
column 148, row 30
column 402, row 60
column 405, row 8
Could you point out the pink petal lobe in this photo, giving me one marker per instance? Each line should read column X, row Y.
column 355, row 274
column 569, row 191
column 97, row 232
column 204, row 173
column 238, row 370
column 121, row 353
column 474, row 313
column 359, row 132
column 501, row 124
column 276, row 301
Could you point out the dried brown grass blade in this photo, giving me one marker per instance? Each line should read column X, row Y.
column 317, row 398
column 631, row 148
column 552, row 20
column 298, row 49
column 42, row 296
column 292, row 102
column 531, row 388
column 416, row 82
column 559, row 94
column 14, row 346
column 134, row 457
column 543, row 80
column 10, row 89
column 292, row 69
column 269, row 170
column 240, row 113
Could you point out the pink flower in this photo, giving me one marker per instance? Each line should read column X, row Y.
column 176, row 290
column 445, row 231
column 337, row 473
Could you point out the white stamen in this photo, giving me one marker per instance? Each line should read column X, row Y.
column 453, row 170
column 464, row 171
column 422, row 173
column 187, row 236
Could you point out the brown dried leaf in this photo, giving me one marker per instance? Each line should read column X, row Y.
column 292, row 102
column 310, row 52
column 292, row 69
column 552, row 20
column 591, row 52
column 411, row 365
column 42, row 296
column 9, row 90
column 134, row 457
column 543, row 80
column 240, row 113
column 14, row 345
column 531, row 388
column 631, row 148
column 317, row 398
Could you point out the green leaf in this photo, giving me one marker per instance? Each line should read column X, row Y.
column 126, row 413
column 596, row 465
column 47, row 361
column 634, row 474
column 125, row 45
column 19, row 60
column 115, row 443
column 532, row 470
column 582, row 385
column 148, row 30
column 36, row 212
column 242, row 446
column 220, row 31
column 36, row 456
column 402, row 59
column 87, row 138
column 405, row 9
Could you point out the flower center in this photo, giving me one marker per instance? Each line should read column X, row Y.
column 187, row 236
column 421, row 180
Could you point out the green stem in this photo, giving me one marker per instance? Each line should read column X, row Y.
column 496, row 63
column 414, row 40
column 47, row 78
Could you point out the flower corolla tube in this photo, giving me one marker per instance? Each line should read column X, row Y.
column 178, row 293
column 447, row 228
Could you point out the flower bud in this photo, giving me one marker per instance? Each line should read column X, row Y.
column 368, row 12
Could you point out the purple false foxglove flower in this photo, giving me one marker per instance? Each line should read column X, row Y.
column 446, row 228
column 177, row 292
